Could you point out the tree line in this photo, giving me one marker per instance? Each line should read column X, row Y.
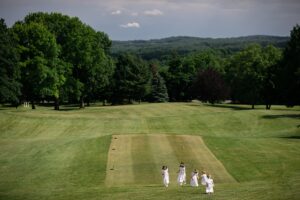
column 160, row 48
column 56, row 58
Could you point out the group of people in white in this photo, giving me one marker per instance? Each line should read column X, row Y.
column 206, row 179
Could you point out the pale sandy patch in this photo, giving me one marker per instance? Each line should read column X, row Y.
column 119, row 164
column 161, row 150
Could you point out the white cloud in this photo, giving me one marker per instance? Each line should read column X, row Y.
column 116, row 12
column 134, row 14
column 131, row 25
column 154, row 12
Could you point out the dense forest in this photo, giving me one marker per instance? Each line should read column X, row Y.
column 160, row 48
column 54, row 58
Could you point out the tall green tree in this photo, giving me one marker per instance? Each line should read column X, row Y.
column 272, row 57
column 245, row 75
column 249, row 74
column 207, row 59
column 85, row 50
column 131, row 79
column 9, row 68
column 290, row 73
column 99, row 69
column 159, row 92
column 179, row 78
column 39, row 61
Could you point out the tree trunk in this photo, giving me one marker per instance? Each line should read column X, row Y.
column 268, row 106
column 81, row 103
column 252, row 106
column 32, row 105
column 88, row 103
column 103, row 102
column 56, row 104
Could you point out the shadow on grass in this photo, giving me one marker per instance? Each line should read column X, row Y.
column 294, row 137
column 47, row 105
column 69, row 109
column 155, row 186
column 8, row 106
column 295, row 116
column 230, row 106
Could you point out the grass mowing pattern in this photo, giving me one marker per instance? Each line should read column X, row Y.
column 119, row 164
column 196, row 155
column 45, row 154
column 145, row 170
column 39, row 168
column 137, row 159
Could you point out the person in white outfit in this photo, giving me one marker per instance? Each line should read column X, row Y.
column 203, row 178
column 181, row 179
column 165, row 175
column 209, row 185
column 194, row 178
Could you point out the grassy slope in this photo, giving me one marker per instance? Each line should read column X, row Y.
column 62, row 155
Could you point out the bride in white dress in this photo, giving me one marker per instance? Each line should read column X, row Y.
column 181, row 179
column 194, row 178
column 165, row 175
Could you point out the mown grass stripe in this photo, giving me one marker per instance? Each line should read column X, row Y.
column 193, row 151
column 119, row 169
column 144, row 168
column 163, row 155
column 137, row 159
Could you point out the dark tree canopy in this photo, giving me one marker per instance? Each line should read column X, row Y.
column 290, row 73
column 84, row 50
column 38, row 58
column 247, row 71
column 179, row 78
column 131, row 79
column 9, row 68
column 209, row 86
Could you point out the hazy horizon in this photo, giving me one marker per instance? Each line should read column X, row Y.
column 176, row 36
column 157, row 19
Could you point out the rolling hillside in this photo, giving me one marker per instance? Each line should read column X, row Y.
column 159, row 48
column 68, row 154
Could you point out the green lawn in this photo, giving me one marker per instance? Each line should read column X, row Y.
column 47, row 154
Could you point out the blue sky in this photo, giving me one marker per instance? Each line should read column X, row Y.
column 151, row 19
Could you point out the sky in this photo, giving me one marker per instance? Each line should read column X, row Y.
column 153, row 19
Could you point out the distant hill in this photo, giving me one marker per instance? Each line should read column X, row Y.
column 159, row 48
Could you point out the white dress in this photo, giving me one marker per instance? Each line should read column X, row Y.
column 203, row 179
column 209, row 185
column 181, row 175
column 165, row 174
column 194, row 179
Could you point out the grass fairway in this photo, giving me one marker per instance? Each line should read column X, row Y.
column 45, row 154
column 137, row 159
